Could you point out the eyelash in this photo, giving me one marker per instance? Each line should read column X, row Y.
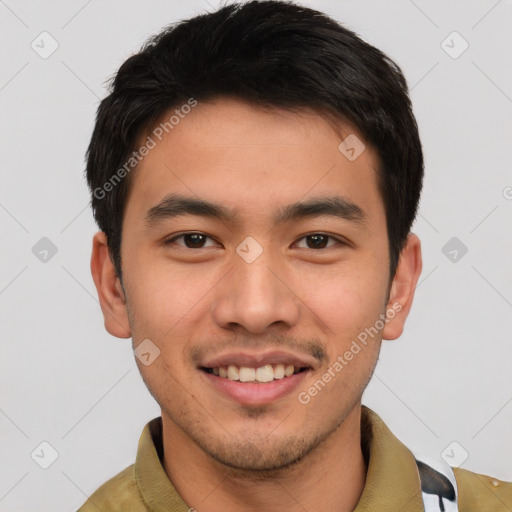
column 331, row 237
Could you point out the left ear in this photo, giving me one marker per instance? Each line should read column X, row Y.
column 402, row 288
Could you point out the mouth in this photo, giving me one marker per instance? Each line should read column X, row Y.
column 256, row 379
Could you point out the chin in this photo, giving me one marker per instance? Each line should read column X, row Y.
column 260, row 456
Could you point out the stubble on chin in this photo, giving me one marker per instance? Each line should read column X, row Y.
column 261, row 457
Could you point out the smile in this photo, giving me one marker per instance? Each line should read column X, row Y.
column 261, row 374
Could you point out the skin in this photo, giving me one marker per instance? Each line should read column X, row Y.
column 219, row 454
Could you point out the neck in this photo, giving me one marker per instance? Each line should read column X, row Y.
column 330, row 478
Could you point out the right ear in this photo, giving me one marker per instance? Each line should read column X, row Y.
column 109, row 288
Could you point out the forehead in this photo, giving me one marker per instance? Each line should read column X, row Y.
column 249, row 158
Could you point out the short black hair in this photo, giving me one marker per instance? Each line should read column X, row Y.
column 270, row 54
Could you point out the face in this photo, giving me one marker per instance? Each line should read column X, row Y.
column 254, row 257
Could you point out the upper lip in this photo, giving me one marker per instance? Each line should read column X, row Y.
column 255, row 360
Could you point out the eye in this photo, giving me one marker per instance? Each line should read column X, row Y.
column 191, row 240
column 320, row 241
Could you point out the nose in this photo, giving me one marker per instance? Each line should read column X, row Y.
column 256, row 298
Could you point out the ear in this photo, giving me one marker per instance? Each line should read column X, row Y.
column 110, row 291
column 402, row 288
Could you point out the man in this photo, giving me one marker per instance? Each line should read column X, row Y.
column 255, row 173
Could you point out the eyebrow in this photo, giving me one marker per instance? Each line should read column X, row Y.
column 175, row 205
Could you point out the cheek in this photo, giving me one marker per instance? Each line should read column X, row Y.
column 163, row 294
column 345, row 300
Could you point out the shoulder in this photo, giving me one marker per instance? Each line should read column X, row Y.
column 481, row 492
column 117, row 494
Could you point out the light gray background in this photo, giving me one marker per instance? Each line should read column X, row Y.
column 65, row 381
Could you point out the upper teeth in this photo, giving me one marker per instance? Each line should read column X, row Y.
column 265, row 373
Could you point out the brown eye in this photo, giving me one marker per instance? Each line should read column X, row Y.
column 319, row 241
column 191, row 240
column 194, row 240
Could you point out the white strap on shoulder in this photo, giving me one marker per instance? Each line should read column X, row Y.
column 438, row 484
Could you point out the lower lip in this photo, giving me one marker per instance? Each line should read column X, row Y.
column 254, row 393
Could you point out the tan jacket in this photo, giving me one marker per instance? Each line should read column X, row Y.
column 392, row 481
